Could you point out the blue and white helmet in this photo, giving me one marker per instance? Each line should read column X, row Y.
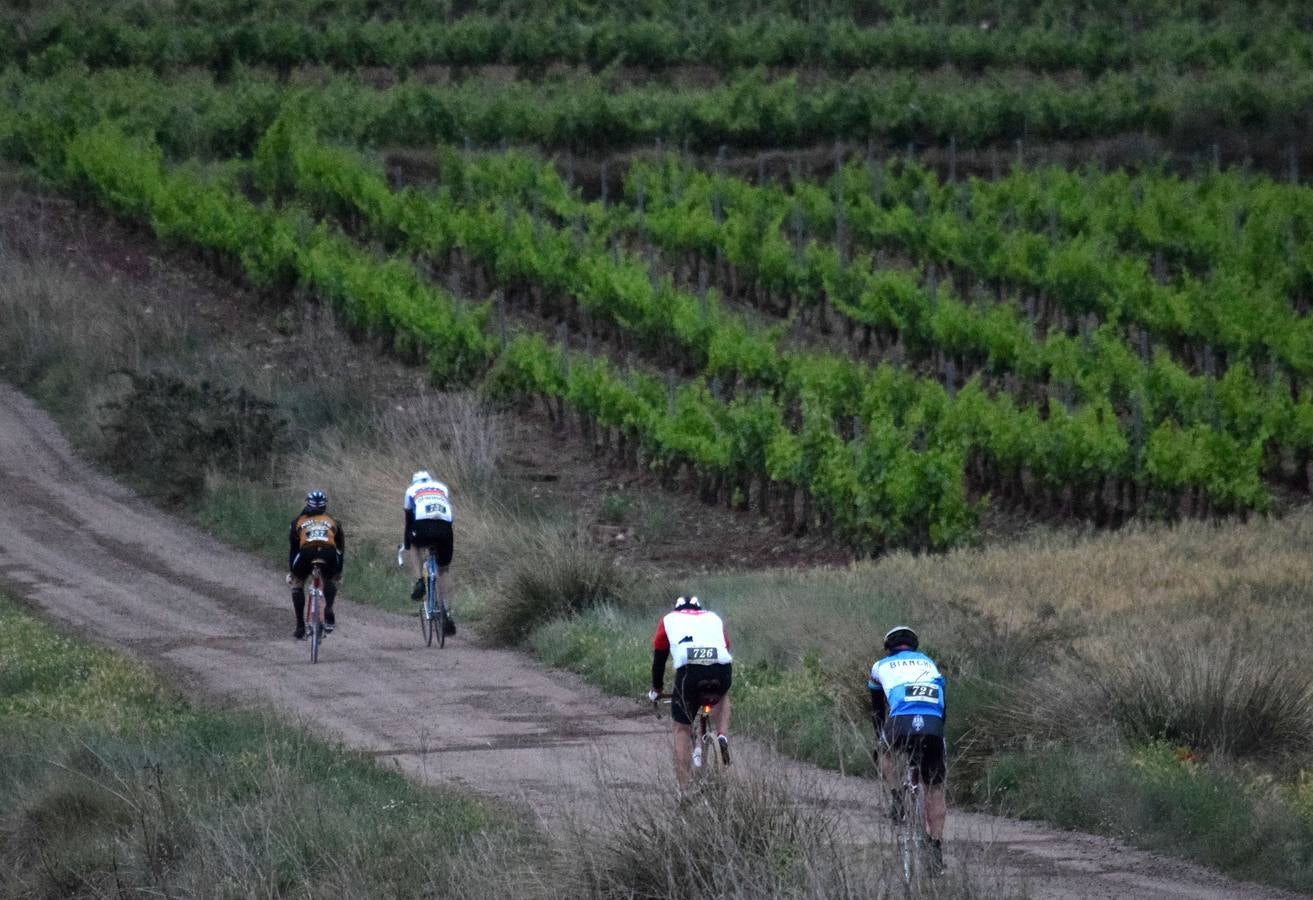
column 900, row 636
column 316, row 501
column 421, row 475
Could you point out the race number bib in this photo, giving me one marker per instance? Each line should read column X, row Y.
column 317, row 533
column 703, row 655
column 435, row 508
column 928, row 693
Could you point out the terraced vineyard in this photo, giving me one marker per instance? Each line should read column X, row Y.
column 846, row 331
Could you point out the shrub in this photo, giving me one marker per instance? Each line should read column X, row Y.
column 1224, row 698
column 168, row 432
column 553, row 574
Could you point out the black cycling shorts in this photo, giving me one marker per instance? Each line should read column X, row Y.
column 698, row 684
column 433, row 533
column 924, row 746
column 304, row 561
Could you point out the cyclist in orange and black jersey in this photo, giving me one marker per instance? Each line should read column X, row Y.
column 315, row 536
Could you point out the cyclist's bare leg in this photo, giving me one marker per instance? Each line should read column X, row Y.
column 444, row 584
column 417, row 560
column 936, row 811
column 683, row 754
column 720, row 715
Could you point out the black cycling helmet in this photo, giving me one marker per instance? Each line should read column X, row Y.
column 688, row 601
column 900, row 636
column 316, row 501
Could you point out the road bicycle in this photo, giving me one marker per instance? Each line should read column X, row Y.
column 314, row 608
column 709, row 755
column 434, row 612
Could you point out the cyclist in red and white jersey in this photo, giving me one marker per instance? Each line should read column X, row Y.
column 429, row 523
column 697, row 644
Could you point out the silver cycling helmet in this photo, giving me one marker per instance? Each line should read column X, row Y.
column 901, row 636
column 316, row 501
column 421, row 475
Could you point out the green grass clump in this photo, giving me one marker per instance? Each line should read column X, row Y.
column 1232, row 817
column 113, row 784
column 45, row 675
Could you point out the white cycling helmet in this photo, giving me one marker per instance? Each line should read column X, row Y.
column 688, row 601
column 421, row 475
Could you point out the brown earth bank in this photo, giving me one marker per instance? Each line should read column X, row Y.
column 666, row 532
column 84, row 550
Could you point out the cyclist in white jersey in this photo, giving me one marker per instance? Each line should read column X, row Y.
column 429, row 518
column 697, row 644
column 908, row 710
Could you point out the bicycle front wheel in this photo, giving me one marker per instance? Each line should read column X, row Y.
column 912, row 840
column 440, row 624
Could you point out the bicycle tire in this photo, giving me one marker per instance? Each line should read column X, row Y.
column 426, row 615
column 312, row 620
column 440, row 624
column 912, row 840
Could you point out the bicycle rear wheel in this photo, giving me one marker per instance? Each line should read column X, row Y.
column 426, row 616
column 440, row 623
column 312, row 620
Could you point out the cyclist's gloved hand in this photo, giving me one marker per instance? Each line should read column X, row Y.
column 653, row 696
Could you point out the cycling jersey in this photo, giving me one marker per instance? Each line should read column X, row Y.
column 315, row 534
column 911, row 683
column 428, row 500
column 693, row 637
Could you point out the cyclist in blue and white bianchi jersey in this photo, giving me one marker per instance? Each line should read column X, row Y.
column 429, row 523
column 908, row 710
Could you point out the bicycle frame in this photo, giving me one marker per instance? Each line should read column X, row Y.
column 702, row 737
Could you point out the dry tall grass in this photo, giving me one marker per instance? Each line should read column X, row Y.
column 754, row 834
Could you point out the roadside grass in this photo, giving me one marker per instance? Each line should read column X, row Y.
column 1235, row 817
column 115, row 785
column 763, row 833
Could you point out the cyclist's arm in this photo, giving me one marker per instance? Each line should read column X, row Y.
column 341, row 543
column 410, row 523
column 879, row 706
column 291, row 544
column 660, row 653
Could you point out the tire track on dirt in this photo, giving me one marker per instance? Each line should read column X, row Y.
column 86, row 551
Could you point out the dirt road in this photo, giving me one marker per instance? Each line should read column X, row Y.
column 490, row 720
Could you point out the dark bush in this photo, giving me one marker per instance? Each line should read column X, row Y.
column 167, row 433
